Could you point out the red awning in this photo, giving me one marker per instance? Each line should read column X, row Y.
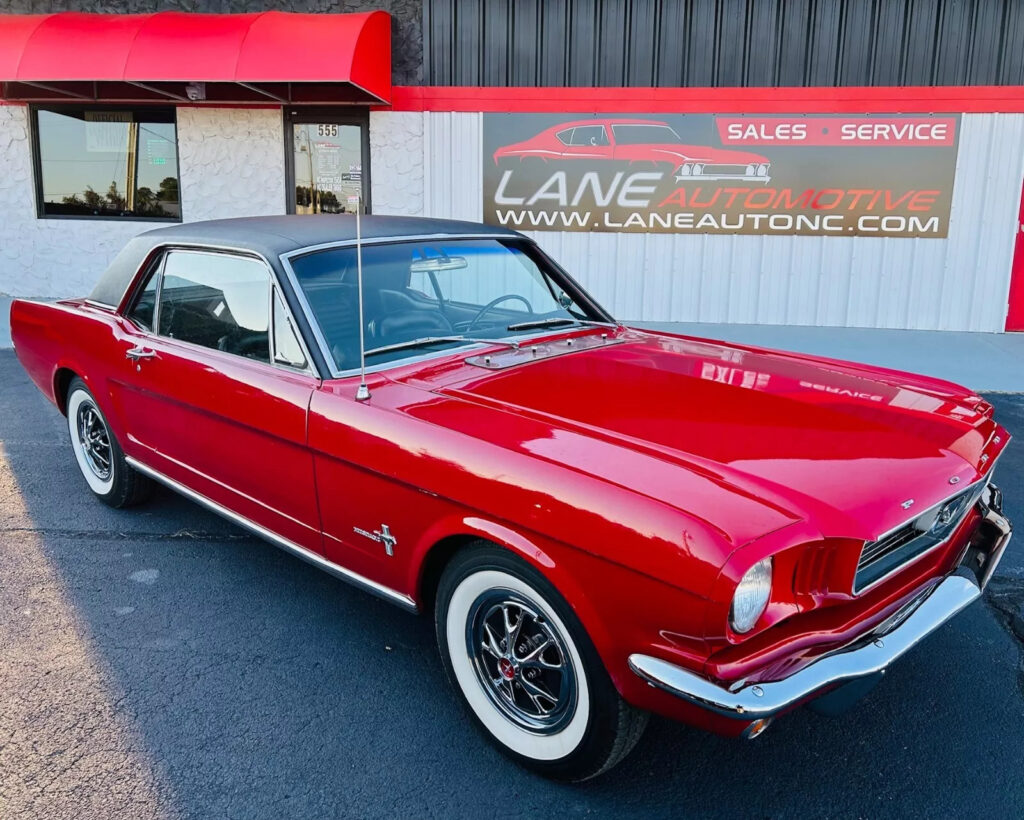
column 241, row 58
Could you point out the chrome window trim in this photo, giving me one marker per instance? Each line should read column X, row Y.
column 395, row 240
column 321, row 341
column 317, row 560
column 165, row 249
column 101, row 305
column 984, row 480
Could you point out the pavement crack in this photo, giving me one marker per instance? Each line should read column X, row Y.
column 1005, row 595
column 89, row 535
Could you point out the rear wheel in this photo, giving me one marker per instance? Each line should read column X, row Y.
column 526, row 669
column 99, row 456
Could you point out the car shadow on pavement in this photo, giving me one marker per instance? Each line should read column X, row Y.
column 204, row 673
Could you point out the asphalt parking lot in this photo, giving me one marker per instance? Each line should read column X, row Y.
column 160, row 662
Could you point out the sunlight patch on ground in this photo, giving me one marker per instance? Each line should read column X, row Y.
column 57, row 699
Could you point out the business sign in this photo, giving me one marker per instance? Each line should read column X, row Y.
column 828, row 175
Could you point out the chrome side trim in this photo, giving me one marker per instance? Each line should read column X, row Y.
column 381, row 591
column 763, row 700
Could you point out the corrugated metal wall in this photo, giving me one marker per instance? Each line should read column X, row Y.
column 957, row 283
column 712, row 43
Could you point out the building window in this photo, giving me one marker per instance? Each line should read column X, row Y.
column 107, row 163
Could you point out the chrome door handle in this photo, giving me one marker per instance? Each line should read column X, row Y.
column 139, row 353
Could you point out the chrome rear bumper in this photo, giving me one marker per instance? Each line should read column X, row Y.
column 876, row 651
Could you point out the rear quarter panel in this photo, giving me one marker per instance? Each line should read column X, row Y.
column 73, row 335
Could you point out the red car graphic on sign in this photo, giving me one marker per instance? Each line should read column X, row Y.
column 638, row 141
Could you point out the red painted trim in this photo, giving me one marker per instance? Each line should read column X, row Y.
column 1015, row 314
column 882, row 100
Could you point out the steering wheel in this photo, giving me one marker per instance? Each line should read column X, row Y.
column 493, row 304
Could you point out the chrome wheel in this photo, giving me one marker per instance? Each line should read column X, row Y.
column 521, row 661
column 94, row 440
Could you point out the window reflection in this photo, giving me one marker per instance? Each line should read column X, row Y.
column 108, row 163
column 328, row 164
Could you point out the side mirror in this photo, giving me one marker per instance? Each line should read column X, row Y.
column 564, row 300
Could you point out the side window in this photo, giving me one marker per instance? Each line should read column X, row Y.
column 145, row 306
column 565, row 137
column 287, row 350
column 589, row 135
column 218, row 301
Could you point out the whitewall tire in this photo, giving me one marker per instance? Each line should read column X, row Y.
column 526, row 669
column 97, row 452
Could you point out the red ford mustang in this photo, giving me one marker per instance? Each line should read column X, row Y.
column 602, row 521
column 646, row 141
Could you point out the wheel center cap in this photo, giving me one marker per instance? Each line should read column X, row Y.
column 508, row 671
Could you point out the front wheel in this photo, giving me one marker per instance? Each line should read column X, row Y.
column 99, row 456
column 526, row 669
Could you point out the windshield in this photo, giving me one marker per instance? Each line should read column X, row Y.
column 644, row 135
column 432, row 295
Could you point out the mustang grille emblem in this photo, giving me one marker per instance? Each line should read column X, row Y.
column 381, row 536
column 907, row 504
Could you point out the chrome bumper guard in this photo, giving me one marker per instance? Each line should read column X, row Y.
column 873, row 653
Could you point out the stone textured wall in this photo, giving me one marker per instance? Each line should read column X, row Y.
column 396, row 163
column 46, row 257
column 231, row 164
column 406, row 19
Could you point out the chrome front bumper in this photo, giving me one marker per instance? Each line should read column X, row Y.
column 873, row 653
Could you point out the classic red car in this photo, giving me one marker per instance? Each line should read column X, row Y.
column 602, row 521
column 648, row 141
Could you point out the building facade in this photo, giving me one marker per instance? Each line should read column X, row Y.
column 817, row 162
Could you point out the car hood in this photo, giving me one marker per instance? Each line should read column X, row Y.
column 841, row 444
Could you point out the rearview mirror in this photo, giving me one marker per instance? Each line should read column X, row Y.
column 436, row 263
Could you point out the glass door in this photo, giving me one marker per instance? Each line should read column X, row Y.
column 327, row 162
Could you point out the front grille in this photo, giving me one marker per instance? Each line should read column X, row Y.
column 882, row 557
column 725, row 170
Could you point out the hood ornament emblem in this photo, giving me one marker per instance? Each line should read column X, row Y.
column 907, row 504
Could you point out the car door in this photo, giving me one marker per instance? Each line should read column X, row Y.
column 215, row 389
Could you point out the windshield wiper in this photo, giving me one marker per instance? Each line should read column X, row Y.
column 552, row 322
column 426, row 341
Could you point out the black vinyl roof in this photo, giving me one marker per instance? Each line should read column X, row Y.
column 272, row 236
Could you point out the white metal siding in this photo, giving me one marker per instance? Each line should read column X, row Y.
column 957, row 283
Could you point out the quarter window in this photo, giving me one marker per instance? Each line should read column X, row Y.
column 107, row 163
column 217, row 301
column 287, row 350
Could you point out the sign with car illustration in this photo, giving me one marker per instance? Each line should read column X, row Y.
column 849, row 175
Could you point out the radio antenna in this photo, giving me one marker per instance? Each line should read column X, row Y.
column 363, row 393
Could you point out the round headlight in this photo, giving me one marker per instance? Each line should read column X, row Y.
column 762, row 170
column 752, row 594
column 750, row 170
column 698, row 169
column 686, row 169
